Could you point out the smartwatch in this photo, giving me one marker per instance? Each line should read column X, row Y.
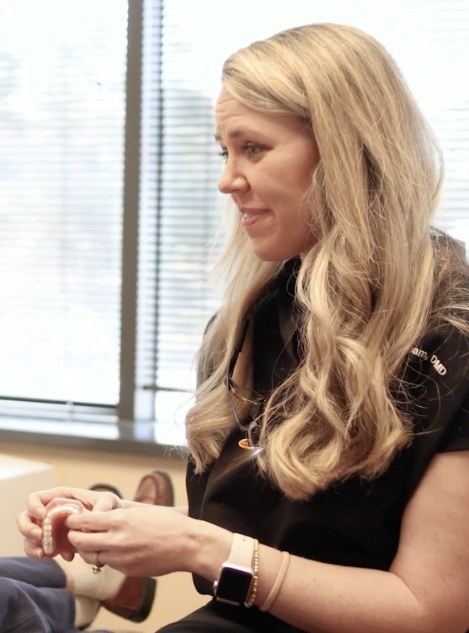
column 234, row 582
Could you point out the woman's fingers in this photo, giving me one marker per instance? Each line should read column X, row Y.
column 137, row 540
column 106, row 501
column 30, row 522
column 32, row 549
column 90, row 527
column 29, row 528
column 37, row 501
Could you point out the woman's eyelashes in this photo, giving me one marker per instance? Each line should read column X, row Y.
column 223, row 153
column 252, row 150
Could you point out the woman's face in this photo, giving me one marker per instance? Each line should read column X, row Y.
column 270, row 159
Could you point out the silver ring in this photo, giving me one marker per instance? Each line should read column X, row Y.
column 96, row 568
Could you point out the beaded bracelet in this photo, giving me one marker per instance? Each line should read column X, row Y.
column 255, row 576
column 273, row 593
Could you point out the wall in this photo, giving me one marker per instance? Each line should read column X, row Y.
column 175, row 593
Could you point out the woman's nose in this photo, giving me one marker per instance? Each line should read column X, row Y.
column 232, row 182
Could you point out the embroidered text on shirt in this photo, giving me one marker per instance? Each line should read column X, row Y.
column 433, row 358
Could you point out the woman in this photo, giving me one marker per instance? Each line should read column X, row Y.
column 329, row 440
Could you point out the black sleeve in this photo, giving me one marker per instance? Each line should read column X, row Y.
column 440, row 367
column 437, row 381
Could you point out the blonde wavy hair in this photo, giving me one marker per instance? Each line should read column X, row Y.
column 369, row 288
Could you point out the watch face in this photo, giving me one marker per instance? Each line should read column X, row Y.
column 233, row 585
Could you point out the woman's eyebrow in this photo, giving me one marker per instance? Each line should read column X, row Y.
column 234, row 133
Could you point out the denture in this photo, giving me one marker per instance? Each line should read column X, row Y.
column 54, row 531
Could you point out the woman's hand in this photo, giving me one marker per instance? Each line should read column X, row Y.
column 141, row 540
column 30, row 522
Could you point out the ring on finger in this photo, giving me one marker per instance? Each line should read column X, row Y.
column 97, row 566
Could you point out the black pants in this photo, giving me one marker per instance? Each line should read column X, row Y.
column 216, row 617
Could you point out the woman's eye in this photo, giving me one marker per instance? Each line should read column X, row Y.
column 223, row 153
column 253, row 149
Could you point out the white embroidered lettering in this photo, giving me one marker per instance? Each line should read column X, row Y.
column 433, row 359
column 421, row 353
column 438, row 365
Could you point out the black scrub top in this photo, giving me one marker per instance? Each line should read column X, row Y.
column 355, row 522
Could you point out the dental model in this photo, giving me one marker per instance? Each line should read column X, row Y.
column 54, row 530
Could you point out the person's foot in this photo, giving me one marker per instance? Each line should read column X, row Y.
column 155, row 488
column 134, row 599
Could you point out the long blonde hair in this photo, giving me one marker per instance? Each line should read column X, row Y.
column 366, row 290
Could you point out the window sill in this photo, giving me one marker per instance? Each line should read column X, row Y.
column 141, row 438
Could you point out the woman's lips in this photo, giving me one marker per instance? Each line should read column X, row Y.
column 250, row 217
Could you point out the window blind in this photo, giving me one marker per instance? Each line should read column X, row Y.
column 433, row 51
column 73, row 144
column 179, row 216
column 430, row 43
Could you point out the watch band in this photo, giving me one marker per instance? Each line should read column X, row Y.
column 241, row 551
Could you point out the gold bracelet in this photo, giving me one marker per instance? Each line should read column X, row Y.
column 255, row 576
column 273, row 593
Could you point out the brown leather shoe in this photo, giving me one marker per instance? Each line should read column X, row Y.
column 102, row 487
column 155, row 488
column 134, row 599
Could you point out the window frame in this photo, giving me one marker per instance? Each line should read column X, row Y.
column 133, row 424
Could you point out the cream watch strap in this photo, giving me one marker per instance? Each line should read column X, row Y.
column 241, row 552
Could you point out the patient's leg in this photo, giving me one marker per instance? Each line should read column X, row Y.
column 25, row 608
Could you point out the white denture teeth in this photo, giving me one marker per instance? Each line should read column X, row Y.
column 48, row 542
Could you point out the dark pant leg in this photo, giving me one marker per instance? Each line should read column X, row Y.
column 205, row 620
column 216, row 617
column 25, row 608
column 33, row 598
column 39, row 573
